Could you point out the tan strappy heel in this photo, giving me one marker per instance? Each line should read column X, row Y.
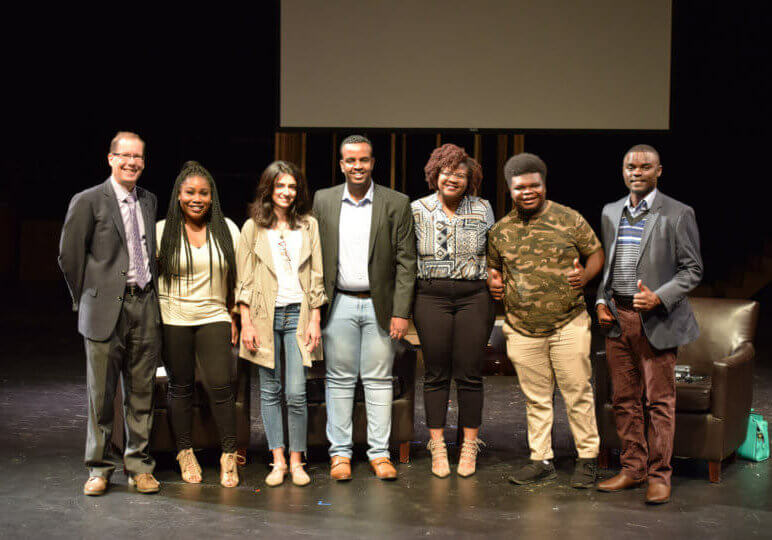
column 189, row 467
column 440, row 465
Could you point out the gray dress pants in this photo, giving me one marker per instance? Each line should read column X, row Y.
column 132, row 352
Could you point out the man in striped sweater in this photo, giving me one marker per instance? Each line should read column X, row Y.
column 652, row 262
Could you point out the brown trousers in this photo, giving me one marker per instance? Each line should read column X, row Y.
column 643, row 380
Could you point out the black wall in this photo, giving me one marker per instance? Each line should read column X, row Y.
column 204, row 87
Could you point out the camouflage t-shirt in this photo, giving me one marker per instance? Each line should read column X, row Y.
column 535, row 258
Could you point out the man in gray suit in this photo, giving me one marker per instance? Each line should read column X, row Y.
column 652, row 262
column 369, row 256
column 107, row 255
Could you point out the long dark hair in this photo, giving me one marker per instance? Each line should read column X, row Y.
column 261, row 209
column 217, row 232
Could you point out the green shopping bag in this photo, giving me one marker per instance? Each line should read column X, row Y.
column 755, row 447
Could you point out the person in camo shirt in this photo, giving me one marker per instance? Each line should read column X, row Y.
column 534, row 267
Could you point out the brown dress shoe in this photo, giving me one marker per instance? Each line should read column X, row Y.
column 618, row 483
column 657, row 493
column 340, row 468
column 144, row 483
column 383, row 468
column 95, row 486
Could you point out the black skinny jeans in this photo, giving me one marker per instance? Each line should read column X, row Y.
column 211, row 343
column 454, row 319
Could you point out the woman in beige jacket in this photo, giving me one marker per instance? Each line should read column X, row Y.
column 279, row 292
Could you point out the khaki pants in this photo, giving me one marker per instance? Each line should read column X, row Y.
column 563, row 357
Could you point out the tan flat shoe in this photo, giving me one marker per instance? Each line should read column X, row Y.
column 299, row 475
column 229, row 473
column 440, row 465
column 467, row 460
column 95, row 486
column 276, row 476
column 189, row 467
column 144, row 483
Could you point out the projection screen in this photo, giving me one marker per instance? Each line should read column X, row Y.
column 475, row 64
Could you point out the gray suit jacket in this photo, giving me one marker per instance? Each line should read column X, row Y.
column 392, row 251
column 94, row 257
column 669, row 263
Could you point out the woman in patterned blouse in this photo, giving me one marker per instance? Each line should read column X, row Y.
column 453, row 311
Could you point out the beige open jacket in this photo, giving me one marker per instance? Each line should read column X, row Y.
column 258, row 286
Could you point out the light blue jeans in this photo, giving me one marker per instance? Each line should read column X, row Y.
column 285, row 323
column 355, row 346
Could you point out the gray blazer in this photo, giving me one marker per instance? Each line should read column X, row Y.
column 392, row 257
column 669, row 263
column 94, row 257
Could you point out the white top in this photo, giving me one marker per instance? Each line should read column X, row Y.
column 196, row 301
column 285, row 250
column 354, row 241
column 125, row 201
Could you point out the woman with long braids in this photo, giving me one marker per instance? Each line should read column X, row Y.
column 453, row 311
column 280, row 291
column 197, row 281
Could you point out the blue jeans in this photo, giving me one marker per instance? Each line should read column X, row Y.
column 354, row 346
column 285, row 323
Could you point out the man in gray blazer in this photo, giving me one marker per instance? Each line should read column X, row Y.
column 369, row 256
column 107, row 255
column 652, row 262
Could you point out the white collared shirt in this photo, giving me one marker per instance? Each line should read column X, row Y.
column 124, row 203
column 354, row 241
column 643, row 205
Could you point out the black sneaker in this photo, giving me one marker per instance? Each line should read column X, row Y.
column 585, row 473
column 533, row 472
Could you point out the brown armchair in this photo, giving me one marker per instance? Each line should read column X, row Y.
column 402, row 409
column 711, row 415
column 205, row 434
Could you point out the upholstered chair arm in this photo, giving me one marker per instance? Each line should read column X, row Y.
column 732, row 384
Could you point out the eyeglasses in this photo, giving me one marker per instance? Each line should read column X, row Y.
column 129, row 157
column 454, row 174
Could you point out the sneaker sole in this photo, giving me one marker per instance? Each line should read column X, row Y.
column 550, row 476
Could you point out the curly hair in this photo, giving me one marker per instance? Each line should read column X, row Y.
column 524, row 163
column 450, row 156
column 261, row 209
column 175, row 237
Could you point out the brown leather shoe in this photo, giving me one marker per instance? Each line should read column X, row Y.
column 618, row 483
column 144, row 483
column 95, row 486
column 340, row 468
column 657, row 493
column 383, row 468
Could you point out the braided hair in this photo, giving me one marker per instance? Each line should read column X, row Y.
column 217, row 233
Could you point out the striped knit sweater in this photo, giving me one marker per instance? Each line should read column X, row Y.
column 625, row 280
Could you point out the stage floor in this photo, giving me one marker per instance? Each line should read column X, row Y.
column 42, row 427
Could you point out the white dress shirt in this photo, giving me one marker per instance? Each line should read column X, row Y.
column 125, row 200
column 354, row 241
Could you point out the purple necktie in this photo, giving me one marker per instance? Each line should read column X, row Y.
column 135, row 241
